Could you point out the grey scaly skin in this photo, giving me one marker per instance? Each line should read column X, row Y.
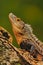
column 25, row 37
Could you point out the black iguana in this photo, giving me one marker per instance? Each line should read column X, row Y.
column 25, row 37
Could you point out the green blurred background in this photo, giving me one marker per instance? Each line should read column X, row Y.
column 30, row 11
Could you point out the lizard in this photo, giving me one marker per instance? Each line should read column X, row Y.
column 10, row 55
column 25, row 37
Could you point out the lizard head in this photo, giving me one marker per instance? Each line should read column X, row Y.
column 20, row 29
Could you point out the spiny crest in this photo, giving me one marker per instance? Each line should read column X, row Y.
column 29, row 28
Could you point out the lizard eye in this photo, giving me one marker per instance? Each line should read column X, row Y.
column 18, row 19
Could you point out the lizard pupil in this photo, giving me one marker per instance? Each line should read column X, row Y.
column 5, row 34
